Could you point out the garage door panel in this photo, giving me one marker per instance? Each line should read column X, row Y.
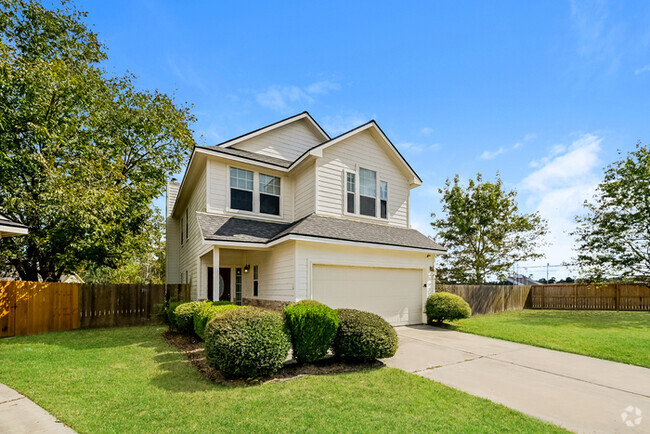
column 393, row 293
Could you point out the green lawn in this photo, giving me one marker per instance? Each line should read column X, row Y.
column 130, row 379
column 619, row 336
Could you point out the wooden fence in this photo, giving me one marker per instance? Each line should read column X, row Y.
column 611, row 296
column 491, row 298
column 498, row 298
column 39, row 307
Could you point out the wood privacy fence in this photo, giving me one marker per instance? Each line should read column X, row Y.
column 491, row 298
column 39, row 307
column 498, row 298
column 610, row 296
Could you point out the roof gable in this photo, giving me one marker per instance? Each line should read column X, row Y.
column 380, row 138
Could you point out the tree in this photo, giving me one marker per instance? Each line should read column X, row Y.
column 613, row 237
column 82, row 153
column 484, row 231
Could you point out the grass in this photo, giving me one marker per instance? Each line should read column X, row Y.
column 618, row 336
column 131, row 380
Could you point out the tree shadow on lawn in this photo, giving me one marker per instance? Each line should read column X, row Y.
column 175, row 379
column 587, row 319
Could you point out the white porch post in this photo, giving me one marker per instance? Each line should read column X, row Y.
column 215, row 272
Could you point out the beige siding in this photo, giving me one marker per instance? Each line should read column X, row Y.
column 172, row 242
column 276, row 273
column 288, row 142
column 305, row 186
column 310, row 253
column 189, row 251
column 360, row 150
column 218, row 193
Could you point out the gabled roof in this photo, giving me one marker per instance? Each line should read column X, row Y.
column 371, row 125
column 9, row 228
column 218, row 228
column 304, row 115
column 317, row 150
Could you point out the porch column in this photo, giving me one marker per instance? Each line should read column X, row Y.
column 215, row 272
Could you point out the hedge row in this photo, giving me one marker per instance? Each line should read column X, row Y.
column 251, row 342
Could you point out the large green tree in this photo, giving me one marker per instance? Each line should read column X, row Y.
column 83, row 153
column 613, row 237
column 484, row 231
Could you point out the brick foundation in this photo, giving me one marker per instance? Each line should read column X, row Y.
column 266, row 304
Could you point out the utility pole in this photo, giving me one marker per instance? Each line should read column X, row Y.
column 547, row 272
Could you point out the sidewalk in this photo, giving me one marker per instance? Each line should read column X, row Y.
column 579, row 393
column 20, row 415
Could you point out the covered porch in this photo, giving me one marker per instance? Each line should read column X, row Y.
column 246, row 276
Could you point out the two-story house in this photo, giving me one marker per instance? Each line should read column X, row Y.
column 286, row 213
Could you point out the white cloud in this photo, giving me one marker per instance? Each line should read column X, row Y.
column 530, row 136
column 417, row 147
column 642, row 70
column 491, row 155
column 426, row 131
column 321, row 87
column 343, row 122
column 283, row 98
column 558, row 189
column 598, row 36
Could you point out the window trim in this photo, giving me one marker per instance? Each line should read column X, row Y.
column 260, row 193
column 182, row 238
column 256, row 196
column 357, row 195
column 230, row 188
column 187, row 223
column 380, row 199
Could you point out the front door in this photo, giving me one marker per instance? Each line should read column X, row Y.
column 224, row 284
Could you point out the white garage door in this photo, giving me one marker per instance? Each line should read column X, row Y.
column 392, row 293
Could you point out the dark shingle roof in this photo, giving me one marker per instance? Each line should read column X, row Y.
column 221, row 228
column 250, row 156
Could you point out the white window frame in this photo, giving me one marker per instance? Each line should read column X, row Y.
column 356, row 192
column 256, row 196
column 260, row 193
column 379, row 181
column 357, row 195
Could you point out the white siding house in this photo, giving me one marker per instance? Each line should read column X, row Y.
column 287, row 213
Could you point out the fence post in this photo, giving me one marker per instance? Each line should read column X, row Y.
column 618, row 296
column 575, row 297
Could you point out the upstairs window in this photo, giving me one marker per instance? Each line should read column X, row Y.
column 351, row 189
column 269, row 194
column 187, row 224
column 383, row 199
column 241, row 189
column 182, row 233
column 368, row 192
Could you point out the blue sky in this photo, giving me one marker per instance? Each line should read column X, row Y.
column 543, row 92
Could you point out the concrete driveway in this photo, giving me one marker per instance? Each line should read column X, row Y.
column 576, row 392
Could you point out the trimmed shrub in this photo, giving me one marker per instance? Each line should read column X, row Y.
column 364, row 336
column 247, row 342
column 206, row 312
column 169, row 312
column 312, row 326
column 183, row 316
column 443, row 306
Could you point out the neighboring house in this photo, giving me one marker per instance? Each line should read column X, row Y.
column 286, row 213
column 9, row 228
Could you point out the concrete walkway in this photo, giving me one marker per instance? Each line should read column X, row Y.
column 20, row 415
column 579, row 393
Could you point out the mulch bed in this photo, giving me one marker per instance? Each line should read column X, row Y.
column 195, row 352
